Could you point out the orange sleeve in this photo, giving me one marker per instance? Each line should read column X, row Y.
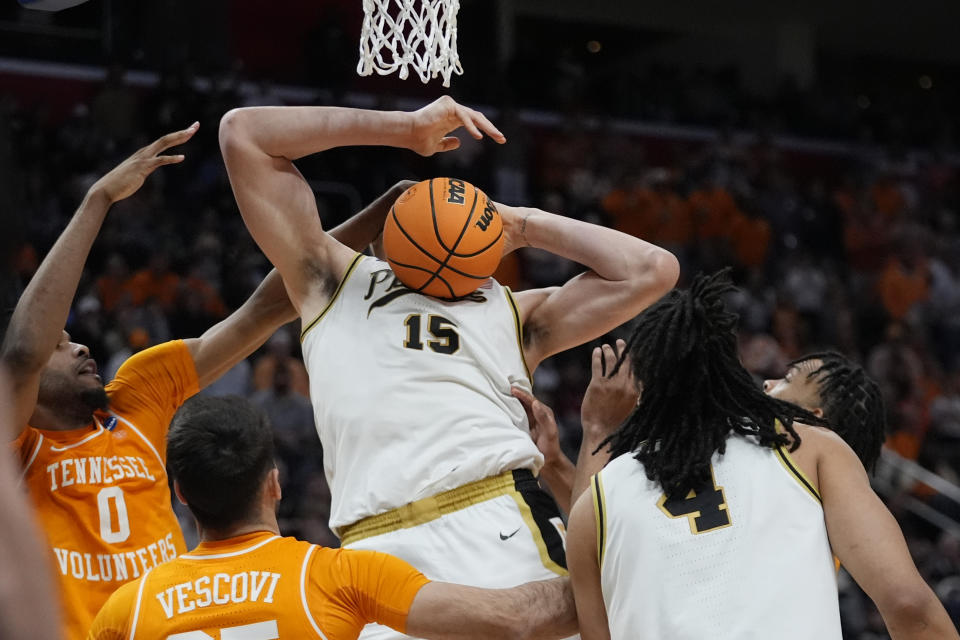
column 113, row 621
column 374, row 586
column 152, row 385
column 24, row 445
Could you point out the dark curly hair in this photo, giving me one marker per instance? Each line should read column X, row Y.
column 695, row 391
column 852, row 403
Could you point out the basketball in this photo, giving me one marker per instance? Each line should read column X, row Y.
column 443, row 237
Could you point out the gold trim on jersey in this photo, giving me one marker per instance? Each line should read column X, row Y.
column 784, row 457
column 600, row 513
column 797, row 473
column 519, row 327
column 428, row 509
column 527, row 515
column 333, row 298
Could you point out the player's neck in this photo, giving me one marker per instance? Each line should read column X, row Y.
column 262, row 524
column 58, row 420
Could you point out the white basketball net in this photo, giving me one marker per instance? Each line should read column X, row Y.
column 398, row 34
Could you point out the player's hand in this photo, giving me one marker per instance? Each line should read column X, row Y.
column 127, row 177
column 609, row 399
column 433, row 124
column 543, row 426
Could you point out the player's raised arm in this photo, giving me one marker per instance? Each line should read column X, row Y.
column 626, row 276
column 869, row 543
column 36, row 327
column 259, row 146
column 269, row 307
column 29, row 604
column 609, row 399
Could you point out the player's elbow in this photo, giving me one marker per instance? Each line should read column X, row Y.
column 658, row 272
column 907, row 603
column 667, row 269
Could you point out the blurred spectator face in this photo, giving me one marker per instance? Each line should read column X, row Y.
column 70, row 381
column 281, row 381
column 279, row 344
column 797, row 386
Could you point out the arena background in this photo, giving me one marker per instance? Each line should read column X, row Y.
column 812, row 147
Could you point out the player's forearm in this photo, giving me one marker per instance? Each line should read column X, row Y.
column 547, row 607
column 612, row 255
column 588, row 463
column 366, row 226
column 295, row 132
column 41, row 313
column 243, row 331
column 918, row 617
column 559, row 475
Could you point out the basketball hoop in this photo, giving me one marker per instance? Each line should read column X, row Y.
column 398, row 34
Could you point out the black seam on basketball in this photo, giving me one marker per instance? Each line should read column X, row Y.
column 446, row 284
column 478, row 252
column 393, row 212
column 409, row 266
column 432, row 273
column 466, row 275
column 433, row 214
column 456, row 244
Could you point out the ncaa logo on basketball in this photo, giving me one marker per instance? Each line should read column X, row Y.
column 457, row 191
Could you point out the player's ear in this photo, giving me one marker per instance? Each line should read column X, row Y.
column 176, row 490
column 273, row 484
column 817, row 412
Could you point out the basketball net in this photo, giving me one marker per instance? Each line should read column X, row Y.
column 421, row 34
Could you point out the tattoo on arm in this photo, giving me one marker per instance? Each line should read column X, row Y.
column 523, row 229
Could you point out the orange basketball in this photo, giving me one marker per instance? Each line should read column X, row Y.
column 443, row 237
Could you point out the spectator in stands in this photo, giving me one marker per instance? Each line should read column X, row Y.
column 278, row 355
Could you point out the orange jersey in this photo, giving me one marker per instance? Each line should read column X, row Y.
column 260, row 586
column 101, row 492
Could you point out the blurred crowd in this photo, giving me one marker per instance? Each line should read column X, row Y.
column 857, row 252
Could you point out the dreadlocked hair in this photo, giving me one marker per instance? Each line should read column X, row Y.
column 852, row 404
column 695, row 391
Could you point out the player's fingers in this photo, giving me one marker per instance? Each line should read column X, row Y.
column 173, row 139
column 596, row 364
column 525, row 398
column 621, row 344
column 159, row 161
column 625, row 372
column 484, row 123
column 449, row 144
column 609, row 358
column 544, row 414
column 465, row 116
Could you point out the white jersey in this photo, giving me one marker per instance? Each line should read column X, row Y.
column 748, row 559
column 411, row 394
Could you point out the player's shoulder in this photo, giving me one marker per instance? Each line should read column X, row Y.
column 624, row 465
column 819, row 437
column 144, row 364
column 114, row 617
